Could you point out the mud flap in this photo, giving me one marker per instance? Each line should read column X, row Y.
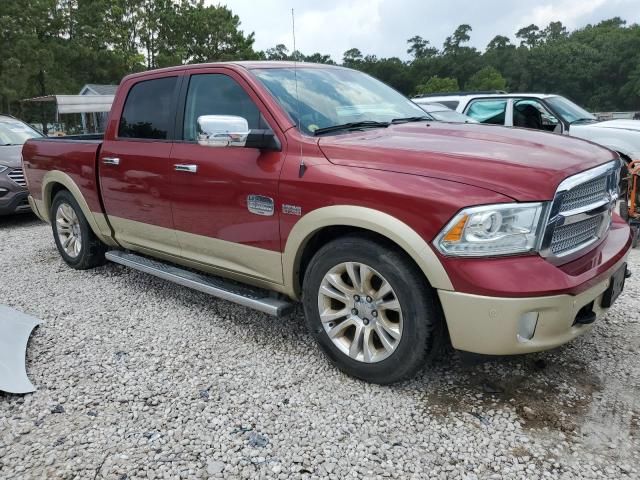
column 15, row 330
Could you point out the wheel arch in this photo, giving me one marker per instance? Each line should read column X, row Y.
column 343, row 219
column 55, row 181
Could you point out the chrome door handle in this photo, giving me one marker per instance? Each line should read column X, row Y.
column 111, row 160
column 186, row 168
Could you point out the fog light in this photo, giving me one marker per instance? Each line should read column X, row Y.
column 527, row 326
column 3, row 192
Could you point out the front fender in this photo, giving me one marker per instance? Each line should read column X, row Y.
column 366, row 218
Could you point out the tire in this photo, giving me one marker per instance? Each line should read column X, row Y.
column 418, row 326
column 86, row 251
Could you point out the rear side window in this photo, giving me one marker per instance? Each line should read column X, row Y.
column 488, row 111
column 147, row 111
column 217, row 94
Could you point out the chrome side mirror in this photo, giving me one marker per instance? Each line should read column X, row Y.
column 222, row 131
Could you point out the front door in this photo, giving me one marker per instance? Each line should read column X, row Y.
column 135, row 167
column 225, row 198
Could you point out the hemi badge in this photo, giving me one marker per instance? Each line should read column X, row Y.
column 260, row 205
column 291, row 209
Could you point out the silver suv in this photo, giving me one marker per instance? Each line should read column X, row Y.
column 13, row 188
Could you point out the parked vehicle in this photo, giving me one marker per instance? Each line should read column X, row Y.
column 321, row 184
column 552, row 113
column 13, row 189
column 444, row 114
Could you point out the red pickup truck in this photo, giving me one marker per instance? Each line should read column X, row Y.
column 267, row 183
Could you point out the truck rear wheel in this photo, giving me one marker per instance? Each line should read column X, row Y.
column 76, row 242
column 371, row 310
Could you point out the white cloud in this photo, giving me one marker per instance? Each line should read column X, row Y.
column 568, row 11
column 382, row 27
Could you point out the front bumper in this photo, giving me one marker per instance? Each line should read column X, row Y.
column 13, row 197
column 14, row 202
column 489, row 325
column 488, row 320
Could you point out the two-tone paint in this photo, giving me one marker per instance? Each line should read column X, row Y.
column 402, row 183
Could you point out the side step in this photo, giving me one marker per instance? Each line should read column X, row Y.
column 245, row 295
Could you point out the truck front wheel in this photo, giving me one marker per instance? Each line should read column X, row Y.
column 76, row 242
column 371, row 310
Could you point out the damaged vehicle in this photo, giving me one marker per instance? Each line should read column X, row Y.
column 269, row 183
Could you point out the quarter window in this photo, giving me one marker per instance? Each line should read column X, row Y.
column 147, row 111
column 488, row 111
column 217, row 94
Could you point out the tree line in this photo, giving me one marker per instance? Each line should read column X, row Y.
column 57, row 46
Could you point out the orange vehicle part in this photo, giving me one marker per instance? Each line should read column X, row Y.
column 633, row 196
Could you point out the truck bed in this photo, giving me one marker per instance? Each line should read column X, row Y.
column 74, row 155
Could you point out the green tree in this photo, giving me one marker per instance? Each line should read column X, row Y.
column 453, row 44
column 419, row 48
column 279, row 52
column 352, row 57
column 487, row 78
column 529, row 36
column 437, row 85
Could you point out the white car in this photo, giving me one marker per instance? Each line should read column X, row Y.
column 552, row 113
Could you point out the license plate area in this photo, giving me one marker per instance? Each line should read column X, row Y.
column 615, row 288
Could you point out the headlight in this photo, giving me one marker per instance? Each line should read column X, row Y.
column 3, row 168
column 502, row 229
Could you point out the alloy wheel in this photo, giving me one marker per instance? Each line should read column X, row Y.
column 360, row 312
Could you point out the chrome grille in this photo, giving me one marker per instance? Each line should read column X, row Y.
column 17, row 176
column 568, row 237
column 580, row 214
column 588, row 193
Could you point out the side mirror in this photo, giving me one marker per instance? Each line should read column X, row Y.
column 233, row 131
column 222, row 131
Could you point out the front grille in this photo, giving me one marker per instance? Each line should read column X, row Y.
column 17, row 176
column 588, row 193
column 580, row 213
column 569, row 237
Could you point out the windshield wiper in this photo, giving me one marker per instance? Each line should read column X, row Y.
column 351, row 126
column 422, row 118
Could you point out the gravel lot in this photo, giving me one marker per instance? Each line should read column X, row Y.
column 138, row 378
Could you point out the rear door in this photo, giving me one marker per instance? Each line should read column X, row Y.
column 215, row 199
column 135, row 165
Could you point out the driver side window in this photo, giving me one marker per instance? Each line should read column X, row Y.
column 530, row 113
column 218, row 94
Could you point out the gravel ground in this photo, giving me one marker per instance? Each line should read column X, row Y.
column 138, row 378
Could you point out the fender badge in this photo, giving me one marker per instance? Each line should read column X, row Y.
column 291, row 209
column 260, row 205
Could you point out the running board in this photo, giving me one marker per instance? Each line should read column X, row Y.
column 236, row 292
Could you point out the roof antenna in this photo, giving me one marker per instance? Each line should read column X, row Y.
column 303, row 167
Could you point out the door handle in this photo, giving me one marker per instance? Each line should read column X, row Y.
column 186, row 168
column 111, row 160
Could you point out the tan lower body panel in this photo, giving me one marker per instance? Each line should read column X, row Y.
column 37, row 206
column 200, row 251
column 489, row 325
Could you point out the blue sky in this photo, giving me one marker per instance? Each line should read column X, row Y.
column 382, row 27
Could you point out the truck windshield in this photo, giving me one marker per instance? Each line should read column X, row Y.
column 327, row 97
column 569, row 111
column 14, row 132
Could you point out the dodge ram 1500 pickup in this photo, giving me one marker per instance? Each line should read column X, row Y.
column 267, row 183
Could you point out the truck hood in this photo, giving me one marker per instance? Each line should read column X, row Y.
column 10, row 155
column 522, row 164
